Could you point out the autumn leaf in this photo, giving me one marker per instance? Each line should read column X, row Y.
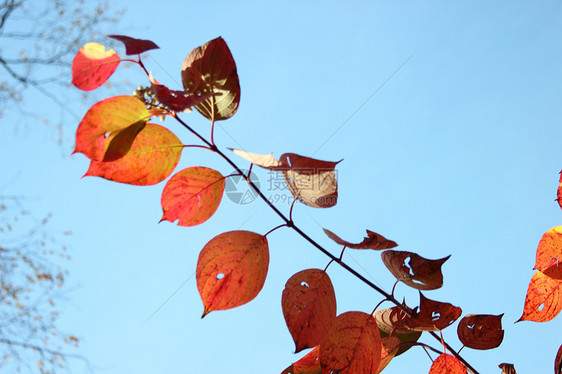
column 507, row 368
column 135, row 46
column 414, row 270
column 265, row 161
column 153, row 156
column 433, row 315
column 109, row 128
column 231, row 269
column 210, row 69
column 391, row 322
column 549, row 253
column 447, row 364
column 177, row 101
column 353, row 346
column 372, row 241
column 93, row 65
column 543, row 301
column 558, row 361
column 559, row 193
column 192, row 196
column 309, row 307
column 309, row 364
column 480, row 331
column 389, row 348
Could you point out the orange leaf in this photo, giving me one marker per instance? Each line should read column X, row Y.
column 135, row 46
column 192, row 196
column 231, row 269
column 153, row 156
column 372, row 241
column 447, row 364
column 92, row 66
column 309, row 307
column 389, row 349
column 109, row 128
column 309, row 364
column 391, row 323
column 210, row 69
column 549, row 253
column 480, row 331
column 353, row 346
column 543, row 301
column 433, row 315
column 414, row 270
column 558, row 361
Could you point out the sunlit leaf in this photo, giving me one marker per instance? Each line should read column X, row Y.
column 372, row 241
column 93, row 65
column 507, row 368
column 543, row 301
column 231, row 269
column 265, row 161
column 309, row 364
column 210, row 69
column 391, row 322
column 192, row 196
column 352, row 346
column 549, row 253
column 135, row 46
column 447, row 364
column 309, row 307
column 480, row 331
column 153, row 156
column 109, row 128
column 414, row 270
column 389, row 348
column 433, row 315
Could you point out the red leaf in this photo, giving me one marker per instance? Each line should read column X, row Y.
column 135, row 46
column 309, row 364
column 558, row 362
column 153, row 156
column 447, row 364
column 507, row 368
column 210, row 69
column 414, row 270
column 353, row 346
column 231, row 269
column 93, row 65
column 389, row 348
column 433, row 315
column 391, row 322
column 309, row 307
column 559, row 194
column 109, row 128
column 192, row 196
column 481, row 331
column 372, row 241
column 543, row 301
column 549, row 253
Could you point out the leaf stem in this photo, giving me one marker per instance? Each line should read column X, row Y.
column 273, row 229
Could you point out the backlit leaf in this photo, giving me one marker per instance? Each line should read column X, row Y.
column 93, row 65
column 389, row 348
column 265, row 161
column 231, row 269
column 178, row 101
column 309, row 364
column 447, row 364
column 391, row 322
column 372, row 241
column 153, row 156
column 210, row 69
column 309, row 307
column 480, row 331
column 414, row 270
column 192, row 196
column 543, row 301
column 109, row 128
column 433, row 315
column 558, row 361
column 353, row 346
column 135, row 46
column 549, row 253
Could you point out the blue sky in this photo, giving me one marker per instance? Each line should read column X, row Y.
column 456, row 153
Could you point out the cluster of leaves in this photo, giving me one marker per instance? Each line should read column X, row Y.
column 30, row 285
column 123, row 146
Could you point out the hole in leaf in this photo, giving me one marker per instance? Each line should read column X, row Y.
column 106, row 135
column 304, row 284
column 435, row 316
column 541, row 307
column 220, row 276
